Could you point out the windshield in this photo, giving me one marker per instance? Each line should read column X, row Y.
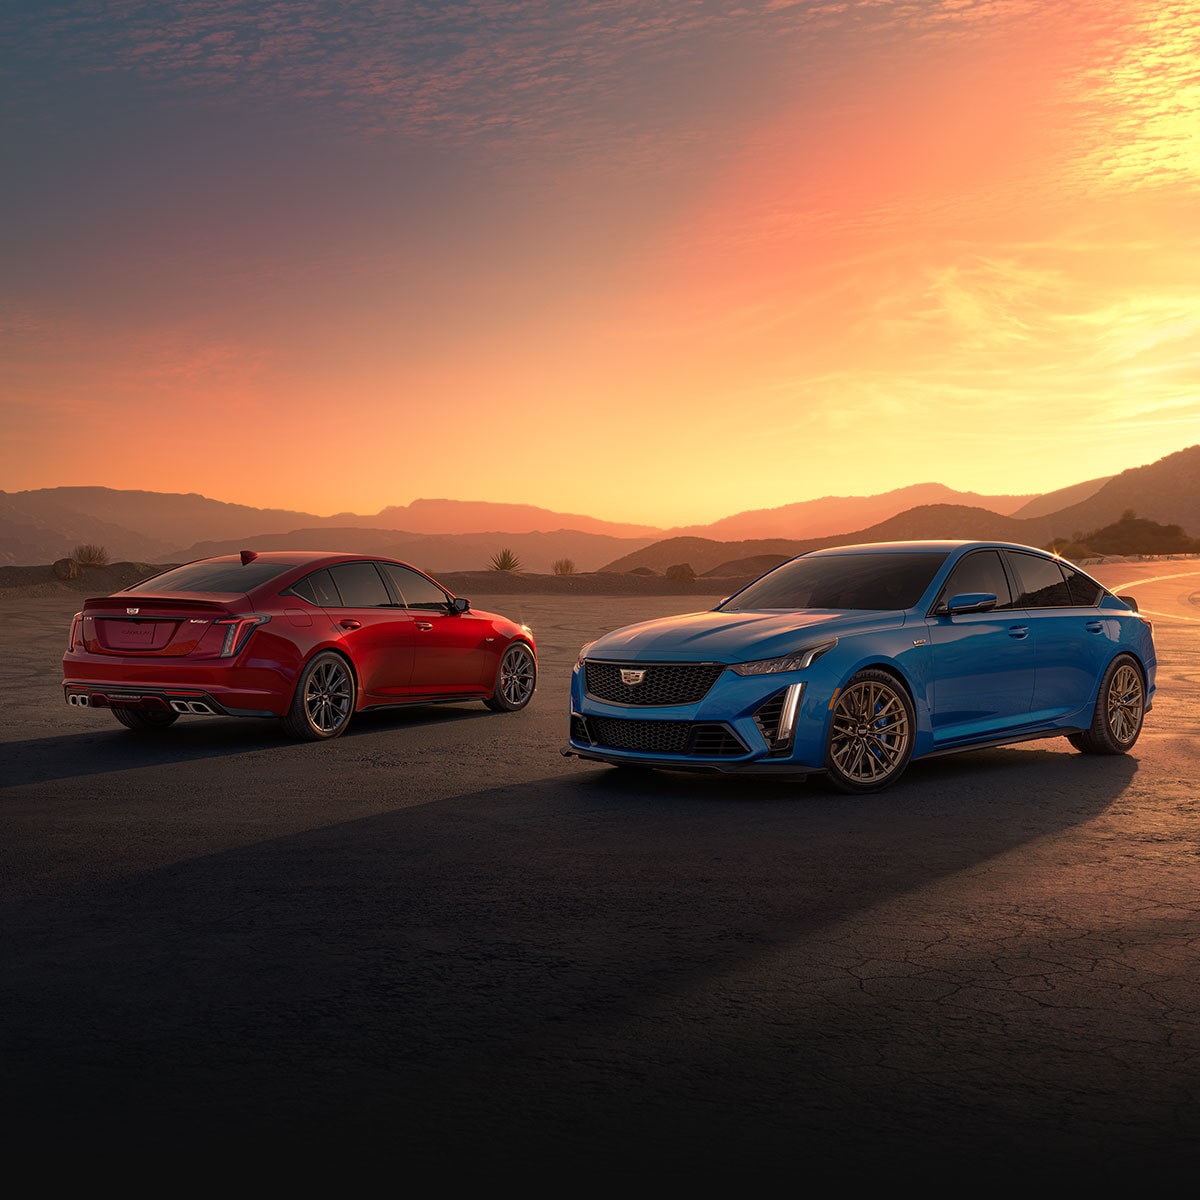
column 841, row 581
column 212, row 577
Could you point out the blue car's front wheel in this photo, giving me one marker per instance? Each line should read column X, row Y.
column 870, row 733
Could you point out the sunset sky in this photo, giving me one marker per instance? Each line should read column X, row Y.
column 652, row 262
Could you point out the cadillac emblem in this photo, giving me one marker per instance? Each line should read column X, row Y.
column 133, row 612
column 632, row 678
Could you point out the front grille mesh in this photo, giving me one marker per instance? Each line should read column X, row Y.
column 766, row 717
column 705, row 740
column 662, row 684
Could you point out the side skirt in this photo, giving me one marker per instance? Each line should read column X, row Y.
column 1041, row 735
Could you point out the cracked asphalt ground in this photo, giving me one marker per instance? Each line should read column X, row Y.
column 436, row 942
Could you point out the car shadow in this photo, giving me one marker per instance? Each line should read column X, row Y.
column 75, row 755
column 970, row 772
column 579, row 964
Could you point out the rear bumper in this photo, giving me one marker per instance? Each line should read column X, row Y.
column 185, row 701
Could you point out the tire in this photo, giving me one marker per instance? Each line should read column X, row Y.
column 143, row 721
column 516, row 679
column 870, row 733
column 1120, row 710
column 324, row 699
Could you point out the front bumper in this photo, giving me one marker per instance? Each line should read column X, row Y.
column 777, row 769
column 768, row 725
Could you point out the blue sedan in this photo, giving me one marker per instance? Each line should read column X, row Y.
column 855, row 660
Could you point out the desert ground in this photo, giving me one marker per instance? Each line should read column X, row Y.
column 437, row 943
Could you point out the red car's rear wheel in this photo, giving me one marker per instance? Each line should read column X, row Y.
column 324, row 699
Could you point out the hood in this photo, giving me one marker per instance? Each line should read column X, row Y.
column 732, row 636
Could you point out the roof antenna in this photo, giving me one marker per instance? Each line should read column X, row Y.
column 248, row 556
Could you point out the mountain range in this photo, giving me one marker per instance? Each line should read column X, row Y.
column 39, row 526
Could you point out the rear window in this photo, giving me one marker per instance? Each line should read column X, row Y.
column 360, row 585
column 1085, row 591
column 842, row 581
column 212, row 577
column 1042, row 583
column 317, row 588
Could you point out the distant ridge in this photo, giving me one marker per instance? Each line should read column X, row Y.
column 483, row 516
column 42, row 525
column 832, row 514
column 1167, row 491
column 1052, row 502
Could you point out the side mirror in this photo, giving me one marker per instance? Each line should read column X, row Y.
column 460, row 605
column 969, row 602
column 1130, row 601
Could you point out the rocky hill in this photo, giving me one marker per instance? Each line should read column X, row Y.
column 1167, row 491
column 46, row 524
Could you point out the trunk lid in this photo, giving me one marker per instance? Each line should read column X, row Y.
column 167, row 626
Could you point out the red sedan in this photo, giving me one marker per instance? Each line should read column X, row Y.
column 311, row 638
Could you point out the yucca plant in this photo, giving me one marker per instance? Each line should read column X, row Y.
column 505, row 560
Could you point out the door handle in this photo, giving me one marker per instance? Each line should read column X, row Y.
column 350, row 623
column 424, row 626
column 1094, row 627
column 1018, row 631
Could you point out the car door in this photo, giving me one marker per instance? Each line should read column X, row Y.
column 1070, row 643
column 377, row 633
column 456, row 653
column 983, row 662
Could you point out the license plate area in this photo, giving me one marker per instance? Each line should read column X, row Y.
column 129, row 634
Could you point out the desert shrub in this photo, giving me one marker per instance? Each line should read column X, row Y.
column 681, row 573
column 505, row 560
column 88, row 554
column 66, row 568
column 1130, row 535
column 564, row 566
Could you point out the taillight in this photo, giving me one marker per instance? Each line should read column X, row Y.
column 76, row 622
column 238, row 630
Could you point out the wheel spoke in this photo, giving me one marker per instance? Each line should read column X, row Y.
column 327, row 696
column 1125, row 705
column 516, row 676
column 870, row 732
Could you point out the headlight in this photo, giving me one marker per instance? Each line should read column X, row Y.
column 797, row 660
column 583, row 654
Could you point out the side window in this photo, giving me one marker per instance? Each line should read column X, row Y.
column 1042, row 582
column 1085, row 592
column 360, row 586
column 981, row 571
column 415, row 590
column 317, row 588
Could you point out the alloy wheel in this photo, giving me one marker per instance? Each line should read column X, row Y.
column 871, row 733
column 517, row 676
column 328, row 695
column 1125, row 703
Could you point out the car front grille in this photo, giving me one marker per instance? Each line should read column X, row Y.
column 661, row 684
column 697, row 738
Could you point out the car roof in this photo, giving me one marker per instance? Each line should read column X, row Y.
column 931, row 546
column 298, row 557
